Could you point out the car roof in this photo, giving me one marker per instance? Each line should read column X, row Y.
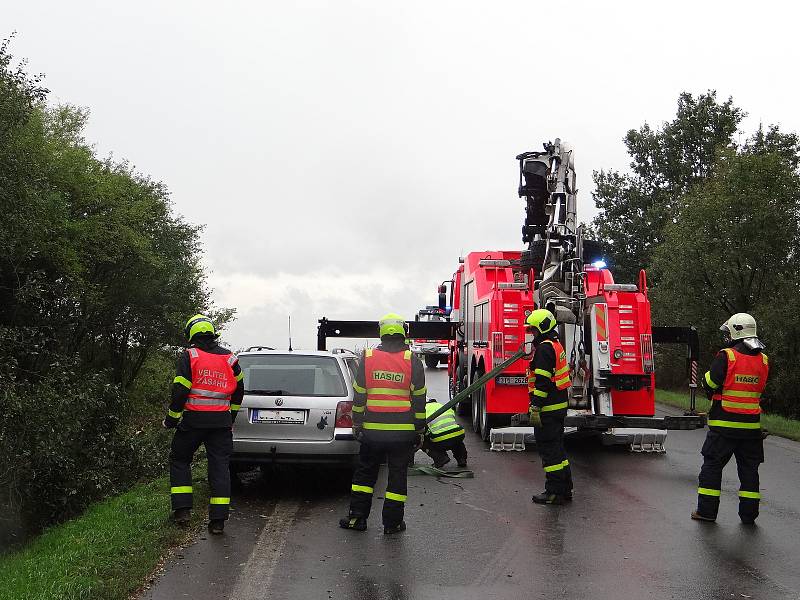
column 296, row 353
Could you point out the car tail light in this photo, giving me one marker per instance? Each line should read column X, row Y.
column 497, row 344
column 344, row 414
column 647, row 352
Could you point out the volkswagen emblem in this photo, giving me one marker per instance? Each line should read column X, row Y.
column 278, row 401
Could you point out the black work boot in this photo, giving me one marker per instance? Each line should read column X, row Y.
column 390, row 529
column 216, row 527
column 441, row 464
column 182, row 516
column 354, row 523
column 549, row 498
column 697, row 516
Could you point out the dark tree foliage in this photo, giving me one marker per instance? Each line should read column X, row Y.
column 718, row 225
column 734, row 248
column 97, row 277
column 665, row 163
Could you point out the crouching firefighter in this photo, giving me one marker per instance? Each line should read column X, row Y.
column 548, row 381
column 734, row 382
column 442, row 434
column 206, row 394
column 389, row 421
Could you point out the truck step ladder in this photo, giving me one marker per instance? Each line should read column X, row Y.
column 506, row 439
column 639, row 440
column 514, row 439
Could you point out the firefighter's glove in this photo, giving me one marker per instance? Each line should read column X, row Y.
column 169, row 422
column 535, row 414
column 418, row 441
column 358, row 432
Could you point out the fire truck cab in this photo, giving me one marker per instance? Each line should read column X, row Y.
column 490, row 302
column 432, row 352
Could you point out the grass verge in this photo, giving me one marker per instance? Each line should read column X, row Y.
column 775, row 424
column 106, row 553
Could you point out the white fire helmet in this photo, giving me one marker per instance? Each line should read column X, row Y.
column 740, row 326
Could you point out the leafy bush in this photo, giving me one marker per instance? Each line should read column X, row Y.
column 70, row 439
column 97, row 277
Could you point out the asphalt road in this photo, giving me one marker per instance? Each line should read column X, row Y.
column 626, row 535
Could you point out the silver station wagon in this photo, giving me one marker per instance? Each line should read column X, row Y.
column 297, row 408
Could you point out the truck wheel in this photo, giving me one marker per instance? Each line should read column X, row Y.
column 431, row 361
column 485, row 426
column 477, row 397
column 463, row 407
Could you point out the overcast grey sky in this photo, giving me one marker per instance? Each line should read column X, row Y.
column 343, row 154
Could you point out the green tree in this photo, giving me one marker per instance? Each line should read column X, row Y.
column 665, row 164
column 97, row 276
column 734, row 247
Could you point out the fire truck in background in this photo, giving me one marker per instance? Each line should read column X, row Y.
column 604, row 326
column 432, row 352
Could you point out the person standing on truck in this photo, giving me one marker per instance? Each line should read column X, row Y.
column 388, row 421
column 206, row 394
column 548, row 381
column 442, row 434
column 734, row 383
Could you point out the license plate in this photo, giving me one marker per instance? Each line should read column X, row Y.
column 511, row 380
column 278, row 416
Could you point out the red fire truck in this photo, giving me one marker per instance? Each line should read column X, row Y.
column 604, row 326
column 432, row 352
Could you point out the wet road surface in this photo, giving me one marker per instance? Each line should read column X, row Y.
column 626, row 535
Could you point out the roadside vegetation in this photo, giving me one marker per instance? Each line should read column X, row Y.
column 713, row 214
column 97, row 276
column 775, row 424
column 105, row 553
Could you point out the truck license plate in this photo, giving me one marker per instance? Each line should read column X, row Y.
column 278, row 416
column 511, row 380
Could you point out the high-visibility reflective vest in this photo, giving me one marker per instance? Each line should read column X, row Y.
column 443, row 427
column 213, row 381
column 740, row 393
column 559, row 376
column 388, row 391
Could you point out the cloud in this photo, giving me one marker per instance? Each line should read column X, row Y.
column 264, row 303
column 341, row 155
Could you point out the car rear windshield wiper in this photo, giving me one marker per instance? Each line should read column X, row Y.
column 265, row 392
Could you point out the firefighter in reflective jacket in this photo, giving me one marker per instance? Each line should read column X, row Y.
column 206, row 394
column 734, row 382
column 548, row 381
column 389, row 421
column 442, row 434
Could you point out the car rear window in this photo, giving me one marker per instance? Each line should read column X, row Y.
column 292, row 375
